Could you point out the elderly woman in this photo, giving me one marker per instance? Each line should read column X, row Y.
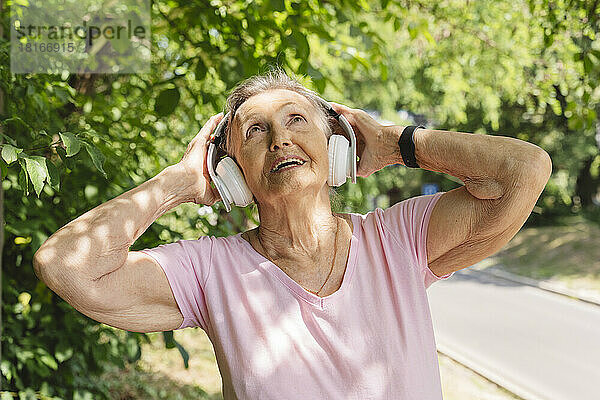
column 311, row 304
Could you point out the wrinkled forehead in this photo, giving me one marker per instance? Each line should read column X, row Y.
column 270, row 101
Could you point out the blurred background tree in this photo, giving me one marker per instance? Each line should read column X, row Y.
column 526, row 69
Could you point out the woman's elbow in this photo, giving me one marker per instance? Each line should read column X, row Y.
column 541, row 167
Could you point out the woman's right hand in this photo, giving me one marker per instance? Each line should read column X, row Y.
column 194, row 164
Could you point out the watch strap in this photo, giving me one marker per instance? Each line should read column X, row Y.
column 407, row 146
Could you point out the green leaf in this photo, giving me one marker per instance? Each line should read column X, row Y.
column 361, row 60
column 184, row 354
column 68, row 162
column 276, row 5
column 9, row 153
column 428, row 36
column 49, row 361
column 169, row 340
column 71, row 142
column 42, row 161
column 63, row 352
column 10, row 140
column 6, row 369
column 27, row 394
column 302, row 47
column 18, row 126
column 37, row 173
column 23, row 178
column 53, row 175
column 134, row 352
column 588, row 63
column 412, row 30
column 82, row 395
column 3, row 170
column 314, row 73
column 384, row 71
column 201, row 70
column 97, row 157
column 167, row 101
column 61, row 94
column 317, row 77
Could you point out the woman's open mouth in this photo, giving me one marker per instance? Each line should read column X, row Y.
column 288, row 164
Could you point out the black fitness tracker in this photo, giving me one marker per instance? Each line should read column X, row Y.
column 407, row 146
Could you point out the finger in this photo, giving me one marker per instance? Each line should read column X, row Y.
column 215, row 196
column 360, row 147
column 362, row 171
column 349, row 114
column 363, row 118
column 210, row 125
column 340, row 107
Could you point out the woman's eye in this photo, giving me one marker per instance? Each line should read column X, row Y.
column 297, row 118
column 252, row 128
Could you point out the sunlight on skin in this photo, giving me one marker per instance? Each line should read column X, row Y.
column 101, row 231
column 80, row 228
column 83, row 245
column 50, row 252
column 130, row 228
column 74, row 260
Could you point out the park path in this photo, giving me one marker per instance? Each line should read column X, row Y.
column 537, row 344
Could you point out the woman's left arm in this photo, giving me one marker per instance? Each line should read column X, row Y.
column 503, row 178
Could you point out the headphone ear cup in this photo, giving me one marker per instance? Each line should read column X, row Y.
column 338, row 160
column 233, row 181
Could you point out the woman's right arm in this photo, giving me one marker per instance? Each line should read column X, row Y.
column 88, row 263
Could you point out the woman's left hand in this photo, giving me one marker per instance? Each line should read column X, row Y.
column 376, row 144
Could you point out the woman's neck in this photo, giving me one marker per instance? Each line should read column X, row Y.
column 297, row 226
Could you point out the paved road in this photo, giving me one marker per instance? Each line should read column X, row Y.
column 538, row 344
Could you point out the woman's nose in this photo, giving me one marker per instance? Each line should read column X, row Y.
column 279, row 139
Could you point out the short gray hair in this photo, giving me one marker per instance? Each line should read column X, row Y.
column 275, row 78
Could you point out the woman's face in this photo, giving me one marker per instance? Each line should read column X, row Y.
column 275, row 124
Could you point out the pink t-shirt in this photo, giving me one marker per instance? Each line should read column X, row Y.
column 371, row 339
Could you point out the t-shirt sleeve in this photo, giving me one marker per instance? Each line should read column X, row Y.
column 186, row 264
column 408, row 222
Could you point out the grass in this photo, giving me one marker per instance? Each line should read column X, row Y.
column 568, row 255
column 459, row 383
column 160, row 374
column 139, row 382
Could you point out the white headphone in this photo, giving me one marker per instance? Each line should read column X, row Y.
column 230, row 182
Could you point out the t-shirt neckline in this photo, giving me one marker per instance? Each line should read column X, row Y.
column 270, row 268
